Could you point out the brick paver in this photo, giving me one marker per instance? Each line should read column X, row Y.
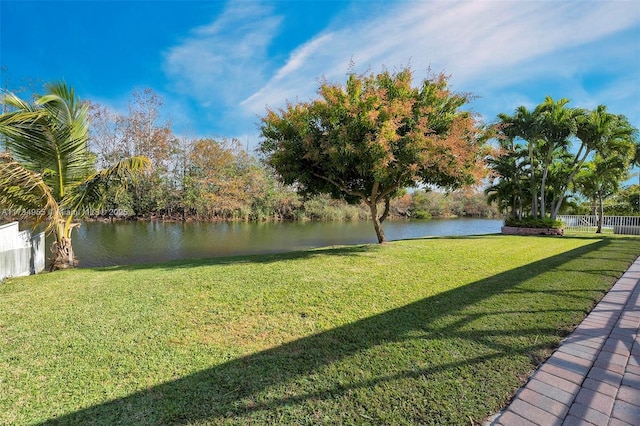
column 593, row 378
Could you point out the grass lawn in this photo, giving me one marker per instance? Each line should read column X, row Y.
column 439, row 331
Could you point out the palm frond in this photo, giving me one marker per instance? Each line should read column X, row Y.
column 25, row 192
column 51, row 135
column 92, row 191
column 16, row 124
column 10, row 99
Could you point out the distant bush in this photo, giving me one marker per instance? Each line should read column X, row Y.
column 421, row 214
column 534, row 222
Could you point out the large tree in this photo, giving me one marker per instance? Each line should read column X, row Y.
column 48, row 173
column 367, row 140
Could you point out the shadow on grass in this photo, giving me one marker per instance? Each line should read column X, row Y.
column 352, row 250
column 235, row 390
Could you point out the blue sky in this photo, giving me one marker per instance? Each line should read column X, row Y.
column 218, row 64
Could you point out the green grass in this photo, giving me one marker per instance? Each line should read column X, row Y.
column 439, row 331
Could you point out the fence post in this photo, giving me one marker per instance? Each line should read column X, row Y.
column 37, row 254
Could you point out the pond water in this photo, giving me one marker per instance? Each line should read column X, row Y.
column 125, row 243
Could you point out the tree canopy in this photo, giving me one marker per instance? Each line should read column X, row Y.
column 377, row 134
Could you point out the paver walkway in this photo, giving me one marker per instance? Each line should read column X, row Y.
column 594, row 376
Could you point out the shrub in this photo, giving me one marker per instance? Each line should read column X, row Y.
column 421, row 214
column 534, row 222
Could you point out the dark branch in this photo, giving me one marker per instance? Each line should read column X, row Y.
column 342, row 187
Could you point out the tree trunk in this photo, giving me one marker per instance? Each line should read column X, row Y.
column 555, row 206
column 534, row 190
column 534, row 201
column 63, row 257
column 600, row 212
column 543, row 192
column 377, row 223
column 379, row 231
column 520, row 208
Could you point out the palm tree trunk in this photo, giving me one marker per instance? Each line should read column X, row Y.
column 61, row 248
column 532, row 182
column 600, row 212
column 63, row 256
column 556, row 204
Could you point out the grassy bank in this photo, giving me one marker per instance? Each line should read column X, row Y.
column 436, row 331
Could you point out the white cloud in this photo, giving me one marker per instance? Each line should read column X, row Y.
column 481, row 43
column 225, row 59
column 285, row 76
column 503, row 51
column 300, row 55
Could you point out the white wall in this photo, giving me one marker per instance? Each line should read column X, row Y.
column 20, row 254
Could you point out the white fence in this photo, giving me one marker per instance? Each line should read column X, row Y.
column 628, row 225
column 20, row 253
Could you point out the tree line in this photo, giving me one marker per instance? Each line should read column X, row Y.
column 220, row 179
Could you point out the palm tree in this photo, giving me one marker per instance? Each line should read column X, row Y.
column 556, row 124
column 507, row 180
column 48, row 173
column 523, row 125
column 601, row 178
column 613, row 139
